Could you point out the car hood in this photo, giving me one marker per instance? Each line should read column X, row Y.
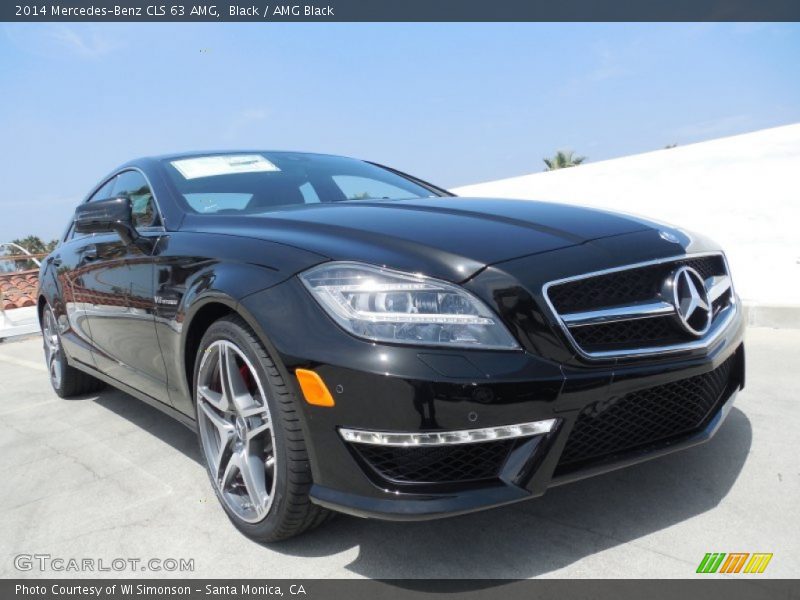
column 449, row 237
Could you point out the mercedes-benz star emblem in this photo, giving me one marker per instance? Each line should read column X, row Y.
column 691, row 302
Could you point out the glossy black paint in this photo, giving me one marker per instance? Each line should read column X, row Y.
column 449, row 238
column 132, row 314
column 103, row 216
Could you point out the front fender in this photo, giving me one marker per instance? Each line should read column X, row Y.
column 188, row 300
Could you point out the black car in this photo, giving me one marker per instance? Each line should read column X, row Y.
column 345, row 337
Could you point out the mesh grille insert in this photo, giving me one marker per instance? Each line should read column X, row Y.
column 653, row 331
column 625, row 287
column 437, row 464
column 640, row 418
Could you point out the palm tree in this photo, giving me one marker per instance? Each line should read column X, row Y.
column 563, row 159
column 35, row 245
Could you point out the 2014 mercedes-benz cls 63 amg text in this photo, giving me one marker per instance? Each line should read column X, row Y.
column 345, row 337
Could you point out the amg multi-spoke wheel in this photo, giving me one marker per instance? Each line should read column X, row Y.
column 236, row 430
column 249, row 434
column 66, row 381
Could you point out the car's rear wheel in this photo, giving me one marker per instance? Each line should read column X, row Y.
column 250, row 435
column 66, row 381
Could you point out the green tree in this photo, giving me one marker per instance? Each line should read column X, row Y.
column 35, row 245
column 563, row 159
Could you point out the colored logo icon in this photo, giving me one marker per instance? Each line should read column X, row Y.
column 734, row 562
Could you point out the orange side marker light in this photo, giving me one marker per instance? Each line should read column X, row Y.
column 314, row 389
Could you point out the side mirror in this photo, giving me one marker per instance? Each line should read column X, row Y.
column 113, row 214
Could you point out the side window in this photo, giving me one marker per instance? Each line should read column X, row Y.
column 309, row 193
column 363, row 188
column 104, row 191
column 133, row 185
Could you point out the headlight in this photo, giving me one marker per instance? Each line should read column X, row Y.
column 390, row 306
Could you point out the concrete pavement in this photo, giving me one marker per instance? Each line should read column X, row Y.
column 108, row 477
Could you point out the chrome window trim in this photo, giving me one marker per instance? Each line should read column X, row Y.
column 717, row 328
column 161, row 227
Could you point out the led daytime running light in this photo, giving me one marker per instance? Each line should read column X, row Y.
column 442, row 438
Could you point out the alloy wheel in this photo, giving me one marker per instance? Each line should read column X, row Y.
column 236, row 430
column 52, row 347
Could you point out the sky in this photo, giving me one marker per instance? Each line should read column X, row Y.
column 451, row 103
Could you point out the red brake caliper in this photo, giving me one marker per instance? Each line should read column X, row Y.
column 248, row 379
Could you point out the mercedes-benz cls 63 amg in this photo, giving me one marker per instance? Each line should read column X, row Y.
column 346, row 337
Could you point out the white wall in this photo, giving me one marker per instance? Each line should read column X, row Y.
column 743, row 191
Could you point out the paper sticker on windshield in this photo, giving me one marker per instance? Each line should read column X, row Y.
column 209, row 166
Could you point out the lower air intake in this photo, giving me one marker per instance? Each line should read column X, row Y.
column 644, row 417
column 437, row 464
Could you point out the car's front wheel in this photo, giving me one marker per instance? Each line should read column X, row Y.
column 250, row 435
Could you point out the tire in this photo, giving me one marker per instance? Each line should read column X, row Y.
column 260, row 473
column 66, row 381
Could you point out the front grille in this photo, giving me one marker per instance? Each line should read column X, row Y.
column 624, row 287
column 644, row 417
column 436, row 464
column 628, row 288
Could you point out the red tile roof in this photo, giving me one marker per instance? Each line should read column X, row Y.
column 19, row 289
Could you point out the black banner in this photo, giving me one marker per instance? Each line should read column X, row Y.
column 412, row 589
column 401, row 10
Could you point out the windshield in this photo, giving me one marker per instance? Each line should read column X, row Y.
column 257, row 182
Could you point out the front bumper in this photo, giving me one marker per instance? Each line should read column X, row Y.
column 420, row 507
column 404, row 389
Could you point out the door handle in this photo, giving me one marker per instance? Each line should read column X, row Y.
column 89, row 252
column 55, row 261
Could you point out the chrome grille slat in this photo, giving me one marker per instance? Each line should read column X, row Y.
column 599, row 309
column 717, row 285
column 626, row 312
